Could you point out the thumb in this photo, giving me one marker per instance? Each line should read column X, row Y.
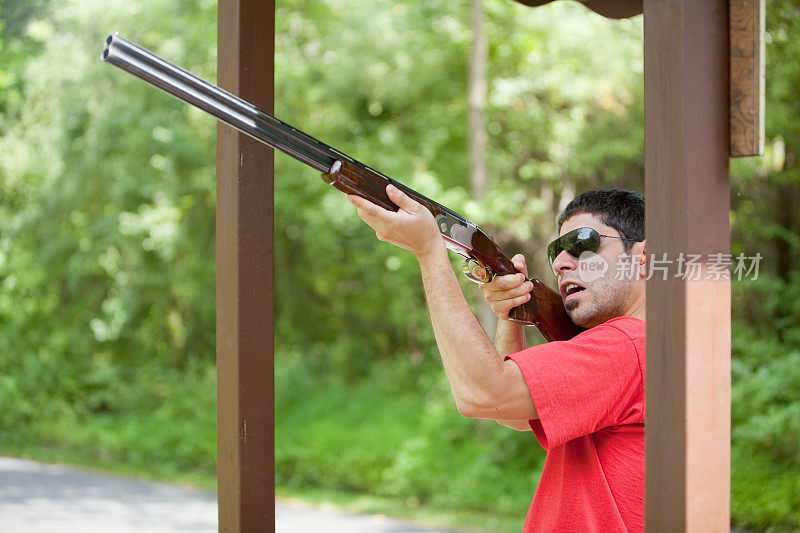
column 519, row 264
column 403, row 201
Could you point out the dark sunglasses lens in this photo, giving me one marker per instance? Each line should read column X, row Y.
column 553, row 250
column 575, row 243
column 585, row 240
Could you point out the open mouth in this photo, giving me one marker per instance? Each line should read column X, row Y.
column 568, row 289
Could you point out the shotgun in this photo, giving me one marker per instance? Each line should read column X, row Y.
column 462, row 236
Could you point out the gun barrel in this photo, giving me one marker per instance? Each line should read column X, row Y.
column 223, row 105
column 239, row 113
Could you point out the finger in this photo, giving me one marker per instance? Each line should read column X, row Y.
column 368, row 209
column 519, row 264
column 499, row 296
column 516, row 286
column 501, row 309
column 509, row 281
column 365, row 211
column 509, row 304
column 480, row 273
column 372, row 222
column 403, row 201
column 364, row 204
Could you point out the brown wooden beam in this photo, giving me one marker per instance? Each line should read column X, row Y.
column 688, row 322
column 244, row 256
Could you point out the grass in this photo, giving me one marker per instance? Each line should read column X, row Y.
column 408, row 510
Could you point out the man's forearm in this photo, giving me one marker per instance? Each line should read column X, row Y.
column 483, row 384
column 471, row 362
column 510, row 337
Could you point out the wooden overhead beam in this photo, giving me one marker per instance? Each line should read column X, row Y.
column 687, row 136
column 615, row 9
column 244, row 260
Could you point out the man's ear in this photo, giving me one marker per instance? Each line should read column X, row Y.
column 642, row 256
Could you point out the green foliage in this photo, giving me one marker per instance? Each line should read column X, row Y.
column 107, row 198
column 766, row 372
column 764, row 494
column 388, row 439
column 106, row 259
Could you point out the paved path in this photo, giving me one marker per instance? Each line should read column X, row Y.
column 37, row 498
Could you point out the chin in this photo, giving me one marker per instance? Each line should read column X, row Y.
column 584, row 323
column 583, row 317
column 577, row 317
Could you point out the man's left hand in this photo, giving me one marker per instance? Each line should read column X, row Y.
column 412, row 227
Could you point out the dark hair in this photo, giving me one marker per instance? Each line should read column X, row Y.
column 621, row 209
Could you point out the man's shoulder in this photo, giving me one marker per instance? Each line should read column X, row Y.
column 628, row 326
column 631, row 326
column 612, row 334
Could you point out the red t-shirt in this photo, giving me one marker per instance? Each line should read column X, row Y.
column 589, row 394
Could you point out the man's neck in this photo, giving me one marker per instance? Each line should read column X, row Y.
column 638, row 309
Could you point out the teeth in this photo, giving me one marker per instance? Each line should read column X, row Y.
column 570, row 287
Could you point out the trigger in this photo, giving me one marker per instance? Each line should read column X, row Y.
column 469, row 265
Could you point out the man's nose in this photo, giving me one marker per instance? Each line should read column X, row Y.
column 564, row 262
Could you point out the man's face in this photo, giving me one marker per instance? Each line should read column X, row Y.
column 598, row 287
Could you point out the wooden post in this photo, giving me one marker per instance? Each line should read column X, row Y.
column 244, row 247
column 747, row 92
column 688, row 322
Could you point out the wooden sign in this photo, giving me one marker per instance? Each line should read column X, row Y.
column 746, row 28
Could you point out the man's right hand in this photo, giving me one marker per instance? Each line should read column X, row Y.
column 507, row 292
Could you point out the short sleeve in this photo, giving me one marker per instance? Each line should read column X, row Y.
column 580, row 386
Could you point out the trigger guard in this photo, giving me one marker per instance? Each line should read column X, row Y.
column 467, row 269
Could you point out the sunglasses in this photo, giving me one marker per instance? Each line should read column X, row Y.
column 577, row 242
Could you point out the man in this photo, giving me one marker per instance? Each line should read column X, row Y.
column 583, row 398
